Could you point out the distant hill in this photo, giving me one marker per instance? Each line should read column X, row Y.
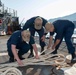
column 71, row 17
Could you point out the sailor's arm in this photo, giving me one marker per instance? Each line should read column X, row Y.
column 50, row 41
column 14, row 51
column 35, row 50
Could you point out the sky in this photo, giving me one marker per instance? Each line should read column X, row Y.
column 47, row 9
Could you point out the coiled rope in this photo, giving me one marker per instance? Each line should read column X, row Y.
column 10, row 71
column 47, row 59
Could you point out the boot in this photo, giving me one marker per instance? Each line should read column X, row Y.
column 42, row 49
column 54, row 52
column 73, row 58
column 31, row 55
column 73, row 55
column 21, row 58
column 11, row 59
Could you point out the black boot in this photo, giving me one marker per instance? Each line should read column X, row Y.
column 73, row 55
column 54, row 52
column 31, row 55
column 11, row 59
column 73, row 58
column 42, row 49
column 21, row 58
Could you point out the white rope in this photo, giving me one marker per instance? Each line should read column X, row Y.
column 10, row 71
column 47, row 59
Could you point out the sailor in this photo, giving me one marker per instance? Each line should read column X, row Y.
column 63, row 29
column 20, row 40
column 36, row 24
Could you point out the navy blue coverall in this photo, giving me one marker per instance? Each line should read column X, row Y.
column 16, row 39
column 30, row 24
column 64, row 29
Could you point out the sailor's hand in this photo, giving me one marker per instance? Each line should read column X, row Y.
column 53, row 47
column 19, row 62
column 48, row 47
column 37, row 57
column 43, row 38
